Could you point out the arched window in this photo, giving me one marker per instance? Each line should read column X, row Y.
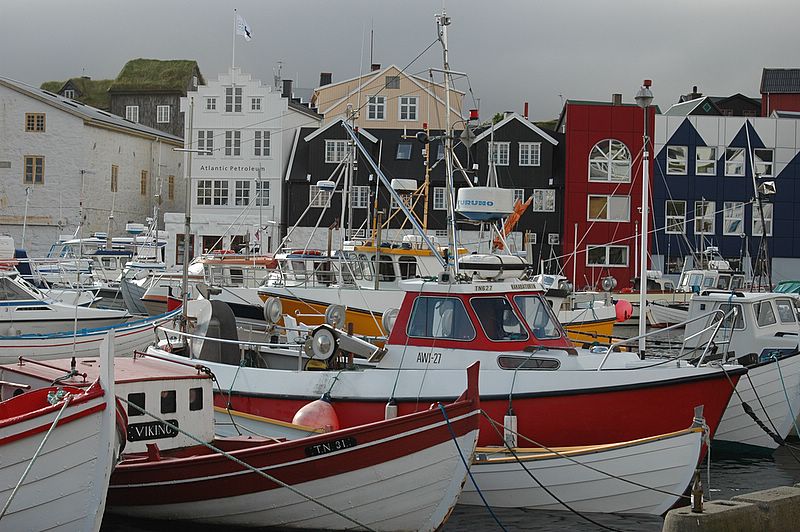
column 610, row 160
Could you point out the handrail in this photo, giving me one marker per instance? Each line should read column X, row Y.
column 733, row 311
column 224, row 340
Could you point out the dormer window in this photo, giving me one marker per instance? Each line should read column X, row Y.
column 69, row 93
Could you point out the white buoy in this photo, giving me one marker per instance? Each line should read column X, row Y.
column 391, row 409
column 510, row 428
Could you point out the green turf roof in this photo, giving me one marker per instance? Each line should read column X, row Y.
column 92, row 92
column 156, row 75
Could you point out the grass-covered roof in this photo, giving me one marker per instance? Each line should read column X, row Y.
column 92, row 92
column 156, row 75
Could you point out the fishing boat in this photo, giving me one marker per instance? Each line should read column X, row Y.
column 70, row 437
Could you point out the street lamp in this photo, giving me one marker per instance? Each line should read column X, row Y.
column 643, row 99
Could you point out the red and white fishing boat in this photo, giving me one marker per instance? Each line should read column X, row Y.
column 400, row 474
column 65, row 487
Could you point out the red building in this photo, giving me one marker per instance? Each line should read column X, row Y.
column 780, row 90
column 602, row 189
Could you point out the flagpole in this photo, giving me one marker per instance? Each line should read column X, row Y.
column 233, row 47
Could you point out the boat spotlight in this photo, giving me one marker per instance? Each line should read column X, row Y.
column 608, row 283
column 273, row 310
column 335, row 315
column 388, row 319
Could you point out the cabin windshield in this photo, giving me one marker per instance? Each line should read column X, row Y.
column 724, row 281
column 408, row 267
column 9, row 291
column 708, row 281
column 737, row 282
column 764, row 313
column 738, row 322
column 497, row 319
column 785, row 310
column 538, row 316
column 440, row 317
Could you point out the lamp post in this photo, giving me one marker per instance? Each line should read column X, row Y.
column 643, row 99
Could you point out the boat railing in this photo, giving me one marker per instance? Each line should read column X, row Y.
column 72, row 272
column 714, row 325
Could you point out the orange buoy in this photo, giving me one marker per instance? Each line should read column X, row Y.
column 318, row 414
column 624, row 310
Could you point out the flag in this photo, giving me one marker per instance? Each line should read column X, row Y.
column 242, row 28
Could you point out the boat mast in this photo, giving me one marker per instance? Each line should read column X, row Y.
column 442, row 21
column 187, row 227
column 644, row 98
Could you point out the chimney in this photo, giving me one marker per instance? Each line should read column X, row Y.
column 287, row 88
column 525, row 111
column 375, row 67
column 616, row 99
column 325, row 78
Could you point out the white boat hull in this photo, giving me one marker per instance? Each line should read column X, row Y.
column 660, row 314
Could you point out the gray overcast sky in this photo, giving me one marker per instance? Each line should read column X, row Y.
column 513, row 51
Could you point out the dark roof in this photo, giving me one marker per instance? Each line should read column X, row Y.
column 148, row 75
column 780, row 80
column 738, row 96
column 92, row 92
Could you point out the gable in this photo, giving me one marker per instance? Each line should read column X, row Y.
column 516, row 119
column 153, row 75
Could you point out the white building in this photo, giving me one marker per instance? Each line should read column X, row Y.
column 248, row 130
column 60, row 158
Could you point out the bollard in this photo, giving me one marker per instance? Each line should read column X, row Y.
column 697, row 493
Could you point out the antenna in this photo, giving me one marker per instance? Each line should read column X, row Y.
column 276, row 75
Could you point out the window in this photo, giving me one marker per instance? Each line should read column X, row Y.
column 241, row 193
column 69, row 93
column 132, row 113
column 204, row 191
column 440, row 318
column 359, row 197
column 376, row 108
column 553, row 239
column 262, row 144
column 497, row 319
column 179, row 248
column 34, row 170
column 34, row 122
column 392, row 82
column 732, row 218
column 610, row 160
column 205, row 142
column 704, row 216
column 404, row 151
column 734, row 162
column 538, row 316
column 168, row 402
column 408, row 107
column 195, row 399
column 335, row 150
column 519, row 195
column 114, row 176
column 406, row 197
column 762, row 158
column 407, row 267
column 757, row 230
column 737, row 321
column 162, row 114
column 607, row 256
column 385, row 268
column 529, row 153
column 220, row 192
column 498, row 153
column 677, row 160
column 544, row 200
column 143, row 183
column 134, row 400
column 609, row 208
column 785, row 310
column 171, row 187
column 318, row 197
column 439, row 201
column 705, row 161
column 211, row 104
column 9, row 291
column 233, row 143
column 233, row 99
column 764, row 313
column 262, row 193
column 675, row 217
column 255, row 104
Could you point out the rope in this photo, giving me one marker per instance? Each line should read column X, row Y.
column 469, row 471
column 245, row 465
column 35, row 456
column 749, row 410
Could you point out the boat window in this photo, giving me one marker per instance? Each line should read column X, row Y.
column 538, row 315
column 385, row 268
column 517, row 362
column 366, row 266
column 408, row 267
column 351, row 269
column 785, row 310
column 708, row 282
column 440, row 317
column 696, row 279
column 236, row 275
column 737, row 282
column 764, row 313
column 195, row 399
column 138, row 400
column 168, row 402
column 323, row 273
column 738, row 324
column 9, row 291
column 497, row 319
column 724, row 281
column 298, row 269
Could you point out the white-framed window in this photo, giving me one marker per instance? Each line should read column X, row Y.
column 439, row 199
column 530, row 153
column 262, row 192
column 204, row 191
column 242, row 192
column 233, row 99
column 359, row 197
column 531, row 238
column 609, row 256
column 675, row 217
column 498, row 153
column 553, row 239
column 376, row 108
column 408, row 108
column 255, row 104
column 335, row 150
column 677, row 160
column 704, row 217
column 69, row 93
column 705, row 160
column 261, row 145
column 734, row 162
column 519, row 195
column 732, row 218
column 220, row 192
column 162, row 114
column 406, row 197
column 763, row 158
column 211, row 103
column 132, row 113
column 544, row 200
column 233, row 143
column 403, row 151
column 318, row 197
column 205, row 142
column 609, row 208
column 610, row 160
column 757, row 226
